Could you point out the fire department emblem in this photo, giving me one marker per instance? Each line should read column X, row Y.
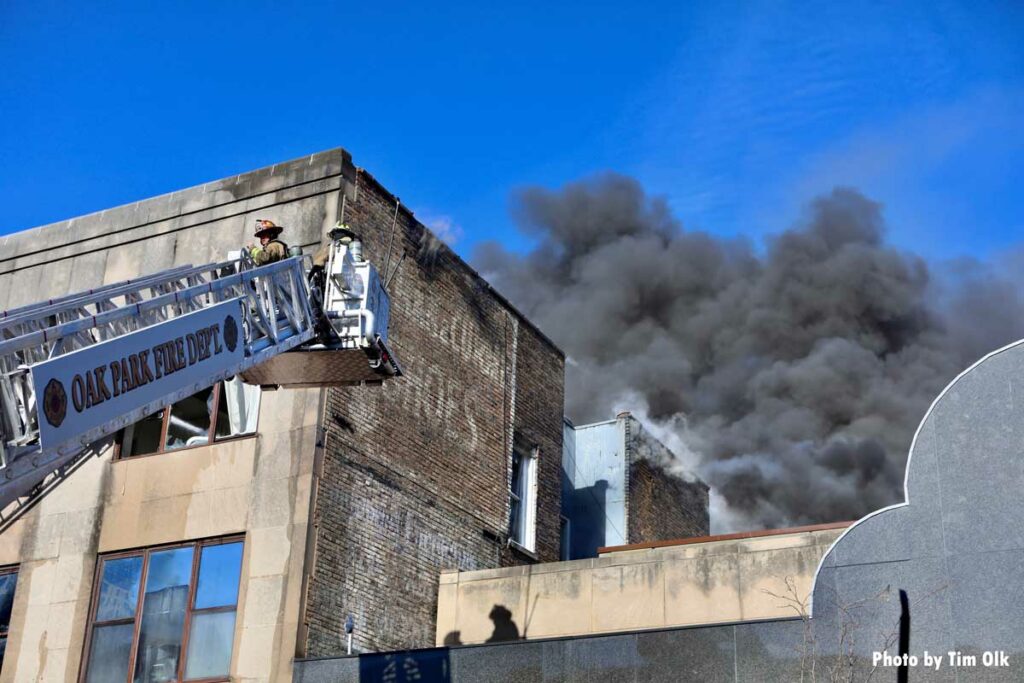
column 230, row 333
column 55, row 402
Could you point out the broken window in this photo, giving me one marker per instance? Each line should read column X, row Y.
column 179, row 627
column 189, row 421
column 237, row 409
column 8, row 580
column 226, row 410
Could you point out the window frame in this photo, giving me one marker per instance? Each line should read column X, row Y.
column 526, row 497
column 4, row 571
column 136, row 619
column 165, row 421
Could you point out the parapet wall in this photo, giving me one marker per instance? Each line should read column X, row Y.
column 717, row 579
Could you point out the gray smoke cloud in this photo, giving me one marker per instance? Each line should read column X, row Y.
column 795, row 374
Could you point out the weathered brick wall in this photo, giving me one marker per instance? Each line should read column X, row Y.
column 538, row 422
column 414, row 476
column 382, row 539
column 663, row 505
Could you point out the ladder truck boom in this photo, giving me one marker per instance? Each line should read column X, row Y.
column 77, row 369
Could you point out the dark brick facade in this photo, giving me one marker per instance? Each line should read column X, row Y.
column 413, row 477
column 662, row 505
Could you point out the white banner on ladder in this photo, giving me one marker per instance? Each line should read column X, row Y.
column 88, row 388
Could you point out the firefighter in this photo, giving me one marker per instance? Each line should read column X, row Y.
column 318, row 277
column 341, row 233
column 271, row 249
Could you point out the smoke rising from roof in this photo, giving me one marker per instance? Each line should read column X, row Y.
column 797, row 374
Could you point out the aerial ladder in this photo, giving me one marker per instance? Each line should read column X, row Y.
column 76, row 370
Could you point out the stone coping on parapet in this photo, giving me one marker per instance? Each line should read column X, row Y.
column 738, row 536
column 173, row 211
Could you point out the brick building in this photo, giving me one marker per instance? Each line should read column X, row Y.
column 251, row 521
column 928, row 589
column 621, row 485
column 416, row 476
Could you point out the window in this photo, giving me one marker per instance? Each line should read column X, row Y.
column 179, row 628
column 8, row 580
column 522, row 497
column 226, row 410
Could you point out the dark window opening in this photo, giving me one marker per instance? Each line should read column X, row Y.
column 224, row 411
column 516, row 498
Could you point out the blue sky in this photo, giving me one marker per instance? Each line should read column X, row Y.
column 737, row 112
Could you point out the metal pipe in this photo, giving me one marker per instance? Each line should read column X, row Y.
column 394, row 222
column 387, row 283
column 187, row 426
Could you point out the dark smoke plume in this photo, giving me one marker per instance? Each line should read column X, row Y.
column 793, row 377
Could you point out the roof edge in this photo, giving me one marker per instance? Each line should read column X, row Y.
column 725, row 537
column 464, row 264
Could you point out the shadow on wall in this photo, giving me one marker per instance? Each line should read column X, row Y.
column 505, row 629
column 587, row 510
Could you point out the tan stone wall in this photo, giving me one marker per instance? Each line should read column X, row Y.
column 259, row 486
column 699, row 583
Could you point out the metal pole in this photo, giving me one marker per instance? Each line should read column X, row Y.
column 903, row 672
column 387, row 282
column 394, row 221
